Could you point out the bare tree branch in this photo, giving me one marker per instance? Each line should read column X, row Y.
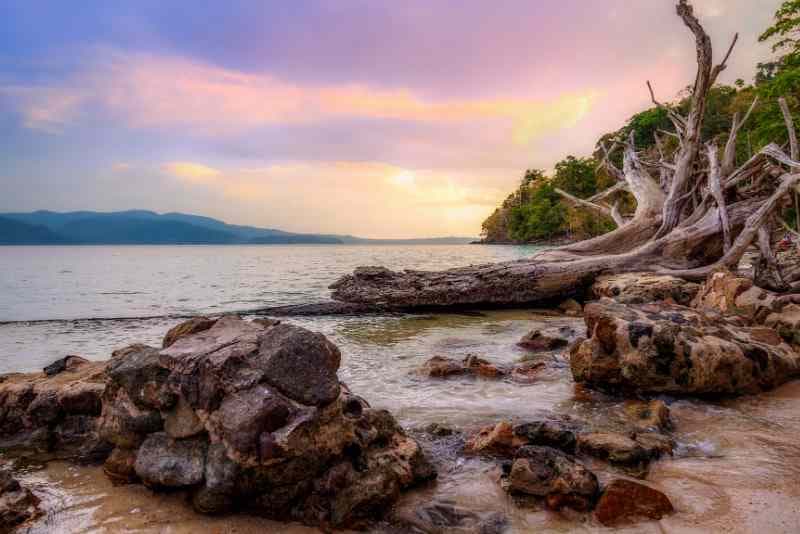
column 715, row 187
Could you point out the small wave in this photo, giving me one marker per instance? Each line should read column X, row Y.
column 121, row 293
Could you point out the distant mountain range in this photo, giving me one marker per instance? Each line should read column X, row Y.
column 141, row 227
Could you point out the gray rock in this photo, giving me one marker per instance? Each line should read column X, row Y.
column 547, row 472
column 286, row 352
column 164, row 462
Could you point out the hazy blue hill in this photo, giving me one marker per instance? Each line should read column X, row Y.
column 137, row 230
column 13, row 232
column 147, row 227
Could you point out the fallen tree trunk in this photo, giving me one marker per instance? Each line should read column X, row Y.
column 701, row 214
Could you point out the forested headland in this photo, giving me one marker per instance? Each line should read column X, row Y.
column 546, row 207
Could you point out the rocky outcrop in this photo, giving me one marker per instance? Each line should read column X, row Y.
column 642, row 288
column 549, row 473
column 17, row 504
column 734, row 295
column 53, row 414
column 251, row 415
column 673, row 349
column 441, row 367
column 625, row 500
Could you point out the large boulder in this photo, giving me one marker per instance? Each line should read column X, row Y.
column 665, row 348
column 53, row 414
column 641, row 288
column 251, row 415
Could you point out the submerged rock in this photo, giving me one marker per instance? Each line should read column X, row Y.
column 624, row 500
column 442, row 517
column 547, row 472
column 441, row 367
column 252, row 415
column 54, row 416
column 674, row 349
column 642, row 288
column 571, row 308
column 17, row 504
column 648, row 416
column 546, row 339
column 614, row 447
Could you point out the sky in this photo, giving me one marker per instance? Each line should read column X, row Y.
column 374, row 118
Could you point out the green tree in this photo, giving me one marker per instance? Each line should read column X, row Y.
column 786, row 29
column 576, row 176
column 541, row 218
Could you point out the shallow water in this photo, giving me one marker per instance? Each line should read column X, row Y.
column 736, row 468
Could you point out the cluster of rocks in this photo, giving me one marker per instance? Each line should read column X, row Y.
column 17, row 504
column 733, row 338
column 474, row 366
column 540, row 459
column 242, row 415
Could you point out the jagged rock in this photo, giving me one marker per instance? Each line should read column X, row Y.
column 251, row 415
column 442, row 517
column 547, row 472
column 786, row 322
column 642, row 288
column 674, row 349
column 614, row 447
column 624, row 500
column 732, row 294
column 494, row 440
column 17, row 504
column 505, row 438
column 560, row 434
column 652, row 415
column 571, row 308
column 544, row 339
column 54, row 416
column 187, row 328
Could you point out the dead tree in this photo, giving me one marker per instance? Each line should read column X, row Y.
column 698, row 214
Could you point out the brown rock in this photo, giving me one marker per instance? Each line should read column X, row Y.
column 187, row 328
column 494, row 440
column 616, row 448
column 53, row 416
column 119, row 466
column 652, row 415
column 624, row 500
column 641, row 288
column 673, row 349
column 546, row 339
column 17, row 504
column 546, row 472
column 440, row 367
column 571, row 307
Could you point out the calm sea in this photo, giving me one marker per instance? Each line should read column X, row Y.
column 91, row 300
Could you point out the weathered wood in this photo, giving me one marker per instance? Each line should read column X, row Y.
column 678, row 228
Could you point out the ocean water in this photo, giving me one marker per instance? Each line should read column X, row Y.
column 90, row 300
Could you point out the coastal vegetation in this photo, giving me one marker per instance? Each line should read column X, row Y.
column 536, row 211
